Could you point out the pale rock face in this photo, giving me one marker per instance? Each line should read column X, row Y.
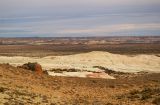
column 83, row 74
column 86, row 61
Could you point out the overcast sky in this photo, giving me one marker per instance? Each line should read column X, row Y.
column 59, row 18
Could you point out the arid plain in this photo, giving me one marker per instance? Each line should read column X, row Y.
column 91, row 70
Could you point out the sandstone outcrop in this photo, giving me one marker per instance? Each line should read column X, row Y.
column 37, row 68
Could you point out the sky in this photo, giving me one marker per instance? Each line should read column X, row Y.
column 79, row 18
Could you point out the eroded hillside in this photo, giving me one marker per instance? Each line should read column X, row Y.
column 84, row 64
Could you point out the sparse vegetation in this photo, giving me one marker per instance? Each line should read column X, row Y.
column 56, row 46
column 146, row 94
column 28, row 88
column 2, row 89
column 156, row 101
column 19, row 86
column 58, row 70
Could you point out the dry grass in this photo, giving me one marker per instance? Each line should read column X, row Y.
column 21, row 87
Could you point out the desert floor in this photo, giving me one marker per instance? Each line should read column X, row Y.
column 87, row 71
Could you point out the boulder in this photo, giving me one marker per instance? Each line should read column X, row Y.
column 33, row 67
column 38, row 69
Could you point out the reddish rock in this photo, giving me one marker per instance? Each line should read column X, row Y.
column 100, row 75
column 33, row 67
column 38, row 69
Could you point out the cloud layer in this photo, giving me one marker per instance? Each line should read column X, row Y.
column 79, row 18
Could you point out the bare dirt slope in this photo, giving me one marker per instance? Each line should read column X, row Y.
column 22, row 87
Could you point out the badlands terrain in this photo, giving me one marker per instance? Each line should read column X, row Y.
column 89, row 63
column 81, row 71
